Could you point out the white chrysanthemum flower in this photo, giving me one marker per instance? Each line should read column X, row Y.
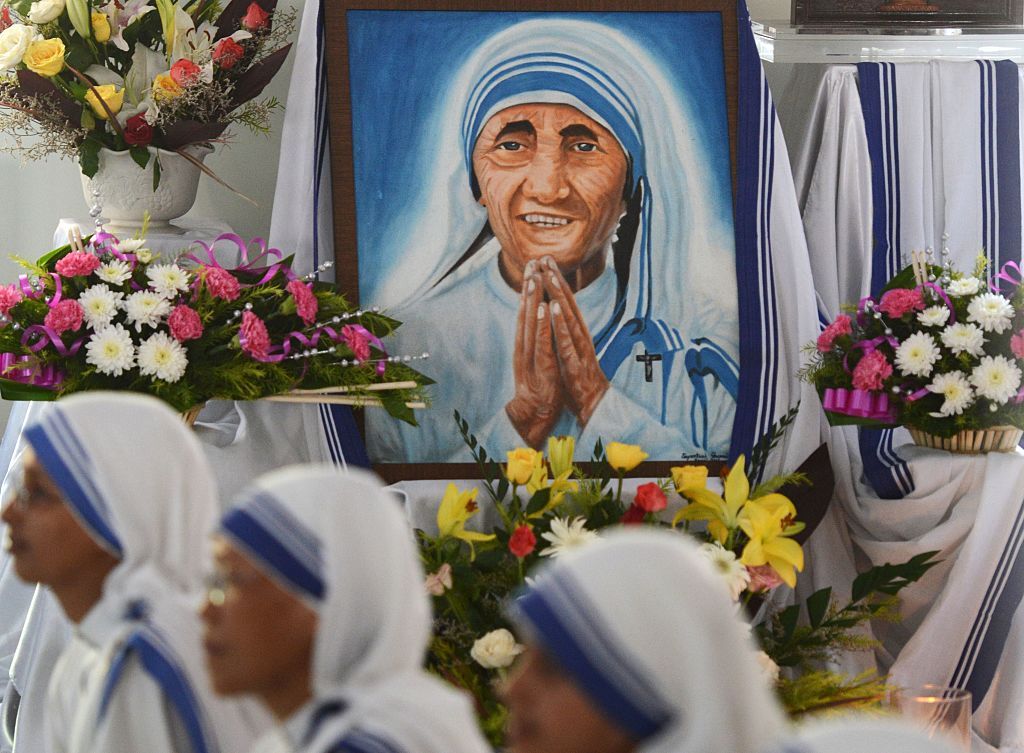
column 566, row 534
column 917, row 354
column 99, row 304
column 163, row 357
column 992, row 311
column 933, row 316
column 146, row 307
column 167, row 279
column 737, row 578
column 964, row 286
column 115, row 271
column 996, row 378
column 955, row 388
column 130, row 245
column 111, row 350
column 964, row 338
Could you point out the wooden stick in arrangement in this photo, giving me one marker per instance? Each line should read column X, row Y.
column 368, row 388
column 920, row 267
column 75, row 239
column 362, row 402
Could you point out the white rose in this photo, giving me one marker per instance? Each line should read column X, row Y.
column 769, row 669
column 14, row 40
column 495, row 650
column 44, row 11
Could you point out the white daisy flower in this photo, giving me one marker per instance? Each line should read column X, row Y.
column 964, row 338
column 130, row 245
column 100, row 304
column 737, row 578
column 163, row 357
column 566, row 534
column 167, row 279
column 996, row 378
column 115, row 271
column 964, row 286
column 146, row 307
column 111, row 350
column 956, row 389
column 933, row 316
column 992, row 311
column 917, row 354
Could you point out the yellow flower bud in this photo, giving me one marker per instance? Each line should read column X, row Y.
column 45, row 57
column 100, row 26
column 690, row 477
column 165, row 88
column 521, row 463
column 110, row 94
column 560, row 453
column 624, row 457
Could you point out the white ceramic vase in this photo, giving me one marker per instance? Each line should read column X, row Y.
column 126, row 190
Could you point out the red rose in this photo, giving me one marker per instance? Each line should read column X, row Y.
column 5, row 18
column 255, row 18
column 650, row 498
column 522, row 542
column 137, row 132
column 185, row 72
column 227, row 53
column 635, row 514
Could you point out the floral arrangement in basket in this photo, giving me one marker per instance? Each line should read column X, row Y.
column 108, row 314
column 938, row 351
column 547, row 505
column 80, row 75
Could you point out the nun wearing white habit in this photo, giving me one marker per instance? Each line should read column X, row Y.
column 634, row 646
column 862, row 734
column 321, row 612
column 122, row 487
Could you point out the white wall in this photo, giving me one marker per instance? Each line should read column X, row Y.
column 769, row 10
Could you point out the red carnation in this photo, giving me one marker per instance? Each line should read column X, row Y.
column 185, row 324
column 306, row 304
column 138, row 132
column 253, row 336
column 522, row 542
column 899, row 301
column 255, row 18
column 10, row 296
column 185, row 72
column 221, row 284
column 66, row 316
column 227, row 53
column 77, row 264
column 356, row 340
column 843, row 325
column 635, row 514
column 871, row 372
column 650, row 498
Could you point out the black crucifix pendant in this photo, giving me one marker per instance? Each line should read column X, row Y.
column 648, row 360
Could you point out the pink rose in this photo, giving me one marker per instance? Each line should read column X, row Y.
column 66, row 316
column 255, row 18
column 77, row 264
column 841, row 326
column 1017, row 344
column 221, row 283
column 185, row 324
column 763, row 578
column 253, row 336
column 185, row 72
column 899, row 301
column 871, row 371
column 227, row 53
column 306, row 303
column 439, row 582
column 650, row 498
column 356, row 341
column 10, row 296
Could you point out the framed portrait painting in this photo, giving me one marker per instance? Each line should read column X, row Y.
column 908, row 13
column 542, row 193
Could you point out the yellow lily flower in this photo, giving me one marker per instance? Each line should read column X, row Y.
column 522, row 462
column 559, row 487
column 722, row 513
column 624, row 457
column 538, row 480
column 765, row 525
column 455, row 509
column 560, row 452
column 689, row 477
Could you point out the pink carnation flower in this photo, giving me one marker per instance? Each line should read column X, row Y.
column 306, row 303
column 899, row 301
column 763, row 578
column 1017, row 344
column 77, row 264
column 185, row 324
column 356, row 341
column 221, row 283
column 841, row 326
column 253, row 336
column 10, row 296
column 871, row 371
column 66, row 316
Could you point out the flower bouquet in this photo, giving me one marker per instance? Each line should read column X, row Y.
column 110, row 315
column 939, row 352
column 80, row 75
column 547, row 505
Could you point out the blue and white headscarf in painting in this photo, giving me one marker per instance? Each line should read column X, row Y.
column 674, row 257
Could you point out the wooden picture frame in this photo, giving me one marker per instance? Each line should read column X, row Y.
column 345, row 128
column 930, row 13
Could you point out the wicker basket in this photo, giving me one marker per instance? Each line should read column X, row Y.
column 972, row 441
column 190, row 416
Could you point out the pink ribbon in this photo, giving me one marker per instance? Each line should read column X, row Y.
column 44, row 336
column 47, row 376
column 945, row 299
column 279, row 352
column 859, row 404
column 247, row 265
column 1004, row 274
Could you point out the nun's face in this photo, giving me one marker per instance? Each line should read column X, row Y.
column 548, row 713
column 258, row 637
column 552, row 180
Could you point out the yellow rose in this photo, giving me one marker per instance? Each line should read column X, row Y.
column 110, row 94
column 165, row 88
column 624, row 457
column 45, row 57
column 690, row 477
column 560, row 452
column 521, row 464
column 100, row 26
